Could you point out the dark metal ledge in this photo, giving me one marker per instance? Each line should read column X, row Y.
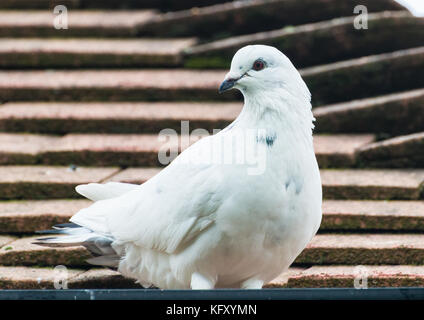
column 264, row 294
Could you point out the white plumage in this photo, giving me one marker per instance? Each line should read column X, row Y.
column 204, row 222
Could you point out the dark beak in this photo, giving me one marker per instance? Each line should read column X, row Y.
column 227, row 85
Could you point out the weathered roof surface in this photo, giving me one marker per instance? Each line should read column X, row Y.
column 85, row 104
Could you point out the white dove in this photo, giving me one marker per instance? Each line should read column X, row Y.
column 213, row 224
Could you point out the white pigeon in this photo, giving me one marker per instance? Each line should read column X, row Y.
column 206, row 224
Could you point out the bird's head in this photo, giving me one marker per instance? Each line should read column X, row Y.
column 260, row 68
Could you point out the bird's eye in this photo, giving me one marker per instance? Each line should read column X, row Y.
column 258, row 65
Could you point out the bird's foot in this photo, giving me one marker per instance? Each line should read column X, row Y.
column 252, row 283
column 201, row 282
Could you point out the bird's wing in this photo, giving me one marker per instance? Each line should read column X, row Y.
column 166, row 212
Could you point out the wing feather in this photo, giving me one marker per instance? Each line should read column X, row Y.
column 166, row 213
column 98, row 191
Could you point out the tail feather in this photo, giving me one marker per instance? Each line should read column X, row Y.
column 65, row 241
column 68, row 231
column 100, row 246
column 50, row 231
column 66, row 225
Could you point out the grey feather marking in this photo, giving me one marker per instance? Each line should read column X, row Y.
column 99, row 246
column 296, row 181
column 268, row 139
column 59, row 228
column 66, row 225
column 51, row 231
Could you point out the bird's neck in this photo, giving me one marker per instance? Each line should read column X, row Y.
column 278, row 113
